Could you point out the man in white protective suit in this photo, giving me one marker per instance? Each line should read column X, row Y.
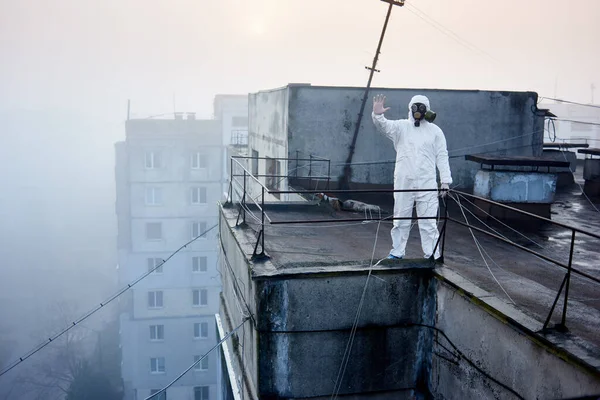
column 420, row 148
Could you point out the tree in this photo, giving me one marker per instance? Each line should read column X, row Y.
column 91, row 384
column 84, row 363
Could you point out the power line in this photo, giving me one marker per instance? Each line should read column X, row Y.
column 570, row 102
column 101, row 305
column 463, row 356
column 495, row 151
column 479, row 247
column 447, row 31
column 235, row 280
column 197, row 361
column 347, row 352
column 378, row 162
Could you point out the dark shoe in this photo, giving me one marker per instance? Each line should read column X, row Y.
column 393, row 257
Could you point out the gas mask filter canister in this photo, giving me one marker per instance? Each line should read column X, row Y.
column 420, row 112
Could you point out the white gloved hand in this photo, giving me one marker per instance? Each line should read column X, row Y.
column 444, row 189
column 379, row 105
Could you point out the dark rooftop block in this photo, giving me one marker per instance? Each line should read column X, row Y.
column 519, row 161
column 565, row 145
column 593, row 151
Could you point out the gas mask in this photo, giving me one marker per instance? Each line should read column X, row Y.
column 420, row 112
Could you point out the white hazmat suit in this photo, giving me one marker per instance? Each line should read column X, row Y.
column 419, row 150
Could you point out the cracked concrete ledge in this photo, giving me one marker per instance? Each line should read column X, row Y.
column 568, row 347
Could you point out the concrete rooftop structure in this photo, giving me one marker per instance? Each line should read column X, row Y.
column 320, row 121
column 467, row 338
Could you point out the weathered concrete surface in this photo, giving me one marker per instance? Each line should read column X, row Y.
column 305, row 322
column 321, row 120
column 561, row 155
column 531, row 282
column 591, row 174
column 515, row 186
column 334, row 250
column 237, row 300
column 498, row 339
column 591, row 169
column 304, row 314
column 565, row 175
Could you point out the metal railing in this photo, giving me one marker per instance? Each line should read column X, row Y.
column 568, row 266
column 265, row 218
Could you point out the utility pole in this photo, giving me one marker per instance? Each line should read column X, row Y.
column 344, row 180
column 593, row 87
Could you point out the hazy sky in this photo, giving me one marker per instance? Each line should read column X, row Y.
column 91, row 56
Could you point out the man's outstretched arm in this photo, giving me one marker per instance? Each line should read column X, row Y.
column 387, row 127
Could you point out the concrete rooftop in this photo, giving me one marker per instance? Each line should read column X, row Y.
column 531, row 282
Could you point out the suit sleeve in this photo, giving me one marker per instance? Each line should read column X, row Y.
column 441, row 158
column 391, row 129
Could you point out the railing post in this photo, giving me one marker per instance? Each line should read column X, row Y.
column 563, row 325
column 262, row 227
column 230, row 191
column 297, row 151
column 328, row 173
column 310, row 172
column 244, row 198
column 444, row 227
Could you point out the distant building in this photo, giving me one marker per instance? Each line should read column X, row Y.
column 574, row 124
column 232, row 111
column 169, row 179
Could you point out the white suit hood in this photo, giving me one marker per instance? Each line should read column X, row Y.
column 417, row 99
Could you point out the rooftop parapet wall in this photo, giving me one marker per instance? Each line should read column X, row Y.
column 305, row 322
column 304, row 316
column 502, row 342
column 304, row 301
column 320, row 121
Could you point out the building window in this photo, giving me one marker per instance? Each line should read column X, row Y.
column 162, row 396
column 201, row 330
column 157, row 332
column 198, row 228
column 199, row 161
column 153, row 263
column 199, row 297
column 198, row 195
column 239, row 121
column 155, row 299
column 157, row 365
column 153, row 196
column 201, row 393
column 153, row 160
column 199, row 263
column 239, row 137
column 153, row 230
column 202, row 365
column 254, row 162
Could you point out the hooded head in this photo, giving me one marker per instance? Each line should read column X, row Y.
column 417, row 99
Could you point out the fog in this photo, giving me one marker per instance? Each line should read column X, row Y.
column 68, row 67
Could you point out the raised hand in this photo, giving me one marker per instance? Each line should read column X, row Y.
column 379, row 104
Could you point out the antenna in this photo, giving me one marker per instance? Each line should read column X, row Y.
column 344, row 180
